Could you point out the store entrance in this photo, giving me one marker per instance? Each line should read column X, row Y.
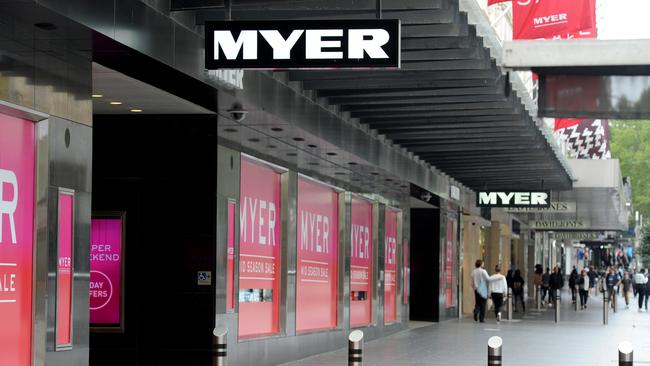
column 425, row 264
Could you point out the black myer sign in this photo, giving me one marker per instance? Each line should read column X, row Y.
column 514, row 199
column 302, row 44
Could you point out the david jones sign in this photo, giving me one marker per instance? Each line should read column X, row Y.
column 302, row 44
column 514, row 199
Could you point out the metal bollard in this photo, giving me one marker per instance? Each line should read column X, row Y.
column 510, row 304
column 557, row 306
column 605, row 308
column 220, row 346
column 614, row 302
column 494, row 350
column 539, row 297
column 355, row 348
column 575, row 301
column 625, row 354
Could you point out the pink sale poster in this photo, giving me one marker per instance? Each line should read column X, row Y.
column 106, row 271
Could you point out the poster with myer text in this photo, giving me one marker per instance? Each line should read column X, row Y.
column 361, row 263
column 106, row 271
column 259, row 249
column 17, row 148
column 317, row 256
column 64, row 271
column 390, row 266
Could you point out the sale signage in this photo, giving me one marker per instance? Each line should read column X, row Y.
column 106, row 249
column 449, row 264
column 553, row 19
column 230, row 239
column 259, row 249
column 361, row 263
column 316, row 303
column 390, row 266
column 64, row 271
column 17, row 153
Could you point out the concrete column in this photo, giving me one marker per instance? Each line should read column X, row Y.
column 493, row 247
column 471, row 252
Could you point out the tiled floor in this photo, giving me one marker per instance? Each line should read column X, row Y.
column 534, row 339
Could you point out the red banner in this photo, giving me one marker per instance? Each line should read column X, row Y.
column 450, row 255
column 106, row 271
column 64, row 271
column 361, row 263
column 230, row 239
column 259, row 250
column 316, row 295
column 390, row 267
column 585, row 138
column 553, row 19
column 17, row 148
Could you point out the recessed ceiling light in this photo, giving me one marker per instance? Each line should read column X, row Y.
column 353, row 163
column 254, row 139
column 292, row 154
column 135, row 110
column 339, row 173
column 331, row 153
column 97, row 95
column 298, row 139
column 271, row 146
column 277, row 129
column 312, row 145
column 374, row 173
column 116, row 103
column 229, row 129
column 46, row 26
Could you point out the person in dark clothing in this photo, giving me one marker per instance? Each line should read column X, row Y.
column 556, row 282
column 546, row 278
column 518, row 290
column 592, row 279
column 509, row 279
column 612, row 280
column 573, row 279
column 583, row 288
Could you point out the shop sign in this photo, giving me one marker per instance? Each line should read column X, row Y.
column 317, row 272
column 579, row 235
column 106, row 270
column 512, row 199
column 64, row 270
column 560, row 224
column 17, row 148
column 291, row 44
column 390, row 266
column 555, row 207
column 259, row 249
column 361, row 263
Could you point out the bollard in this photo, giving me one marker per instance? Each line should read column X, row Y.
column 510, row 304
column 605, row 307
column 625, row 354
column 575, row 302
column 539, row 297
column 557, row 306
column 355, row 348
column 220, row 346
column 614, row 302
column 494, row 351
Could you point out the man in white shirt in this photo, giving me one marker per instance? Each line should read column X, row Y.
column 498, row 287
column 479, row 284
column 640, row 281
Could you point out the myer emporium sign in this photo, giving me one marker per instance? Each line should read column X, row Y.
column 296, row 44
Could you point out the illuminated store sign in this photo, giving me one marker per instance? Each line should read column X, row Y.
column 106, row 250
column 361, row 263
column 390, row 267
column 291, row 44
column 514, row 199
column 64, row 270
column 17, row 147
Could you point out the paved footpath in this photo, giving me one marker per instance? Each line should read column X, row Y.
column 532, row 339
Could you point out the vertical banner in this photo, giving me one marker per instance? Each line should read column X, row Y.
column 316, row 302
column 390, row 266
column 450, row 264
column 585, row 138
column 259, row 249
column 407, row 273
column 106, row 248
column 17, row 164
column 230, row 280
column 361, row 263
column 552, row 19
column 64, row 270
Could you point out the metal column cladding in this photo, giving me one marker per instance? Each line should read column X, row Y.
column 390, row 266
column 17, row 165
column 361, row 262
column 259, row 251
column 317, row 259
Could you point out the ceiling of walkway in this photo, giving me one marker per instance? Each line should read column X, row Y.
column 449, row 104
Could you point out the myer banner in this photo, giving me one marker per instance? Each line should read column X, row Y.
column 513, row 199
column 304, row 44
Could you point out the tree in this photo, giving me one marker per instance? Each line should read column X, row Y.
column 644, row 247
column 630, row 143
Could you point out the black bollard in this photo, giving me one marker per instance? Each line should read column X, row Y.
column 220, row 345
column 538, row 291
column 494, row 351
column 355, row 348
column 625, row 354
column 557, row 306
column 605, row 307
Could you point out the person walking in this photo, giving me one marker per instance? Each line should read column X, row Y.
column 627, row 286
column 537, row 280
column 546, row 278
column 480, row 280
column 647, row 288
column 573, row 279
column 611, row 282
column 556, row 282
column 640, row 282
column 592, row 279
column 498, row 287
column 518, row 290
column 583, row 288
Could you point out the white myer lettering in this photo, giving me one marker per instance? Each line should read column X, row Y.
column 360, row 241
column 315, row 232
column 551, row 19
column 509, row 199
column 315, row 44
column 281, row 47
column 487, row 198
column 7, row 177
column 522, row 198
column 538, row 198
column 369, row 41
column 260, row 211
column 505, row 197
column 390, row 250
column 225, row 41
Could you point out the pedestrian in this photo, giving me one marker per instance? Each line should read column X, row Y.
column 518, row 290
column 509, row 278
column 537, row 280
column 627, row 286
column 573, row 279
column 592, row 280
column 640, row 281
column 546, row 278
column 498, row 287
column 611, row 282
column 480, row 279
column 647, row 288
column 583, row 288
column 556, row 282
